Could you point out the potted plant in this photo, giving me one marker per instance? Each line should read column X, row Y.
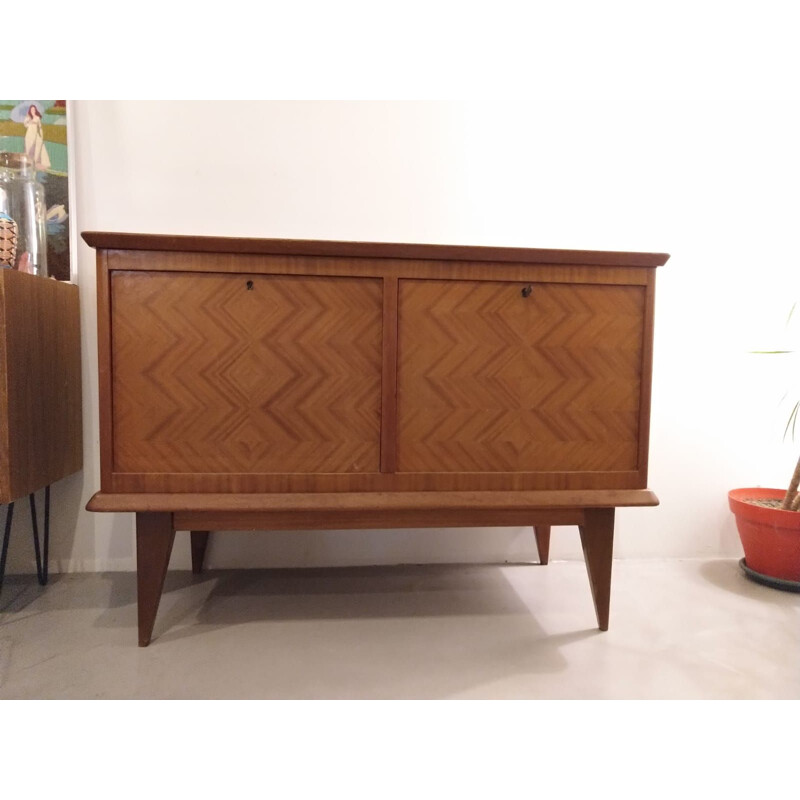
column 768, row 521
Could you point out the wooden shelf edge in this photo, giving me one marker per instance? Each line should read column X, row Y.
column 373, row 501
column 103, row 240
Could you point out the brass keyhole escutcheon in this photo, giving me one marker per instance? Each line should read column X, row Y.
column 249, row 285
column 527, row 291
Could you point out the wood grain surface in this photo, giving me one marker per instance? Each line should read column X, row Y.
column 492, row 380
column 253, row 482
column 270, row 264
column 340, row 510
column 599, row 445
column 381, row 250
column 251, row 373
column 333, row 502
column 40, row 383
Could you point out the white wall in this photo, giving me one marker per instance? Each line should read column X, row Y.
column 708, row 176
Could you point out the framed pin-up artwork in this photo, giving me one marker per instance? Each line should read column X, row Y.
column 39, row 128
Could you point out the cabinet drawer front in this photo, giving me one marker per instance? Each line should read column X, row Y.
column 510, row 377
column 245, row 373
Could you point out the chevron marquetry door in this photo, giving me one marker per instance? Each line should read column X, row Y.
column 515, row 377
column 245, row 374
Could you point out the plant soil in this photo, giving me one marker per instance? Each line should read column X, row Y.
column 766, row 503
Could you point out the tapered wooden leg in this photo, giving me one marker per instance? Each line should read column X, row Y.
column 542, row 534
column 597, row 538
column 199, row 544
column 154, row 538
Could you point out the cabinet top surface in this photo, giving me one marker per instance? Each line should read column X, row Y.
column 308, row 247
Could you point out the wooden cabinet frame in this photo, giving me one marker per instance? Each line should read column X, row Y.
column 596, row 356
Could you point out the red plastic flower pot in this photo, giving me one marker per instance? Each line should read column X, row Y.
column 770, row 536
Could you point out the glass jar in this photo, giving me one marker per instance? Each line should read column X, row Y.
column 23, row 198
column 8, row 228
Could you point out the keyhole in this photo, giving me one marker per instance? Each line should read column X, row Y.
column 249, row 285
column 526, row 292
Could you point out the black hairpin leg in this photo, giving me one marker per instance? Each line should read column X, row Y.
column 41, row 562
column 41, row 552
column 6, row 537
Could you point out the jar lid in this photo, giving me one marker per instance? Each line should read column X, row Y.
column 18, row 161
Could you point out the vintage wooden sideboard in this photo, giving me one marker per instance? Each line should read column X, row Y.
column 256, row 384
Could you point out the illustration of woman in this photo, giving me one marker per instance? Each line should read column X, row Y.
column 34, row 139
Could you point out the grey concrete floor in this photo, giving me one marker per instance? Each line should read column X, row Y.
column 680, row 629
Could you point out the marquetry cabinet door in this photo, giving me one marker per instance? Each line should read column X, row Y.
column 498, row 376
column 237, row 373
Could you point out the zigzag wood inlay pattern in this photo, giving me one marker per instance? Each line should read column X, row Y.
column 489, row 380
column 210, row 376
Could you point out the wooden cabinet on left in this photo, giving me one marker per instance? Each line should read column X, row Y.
column 40, row 383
